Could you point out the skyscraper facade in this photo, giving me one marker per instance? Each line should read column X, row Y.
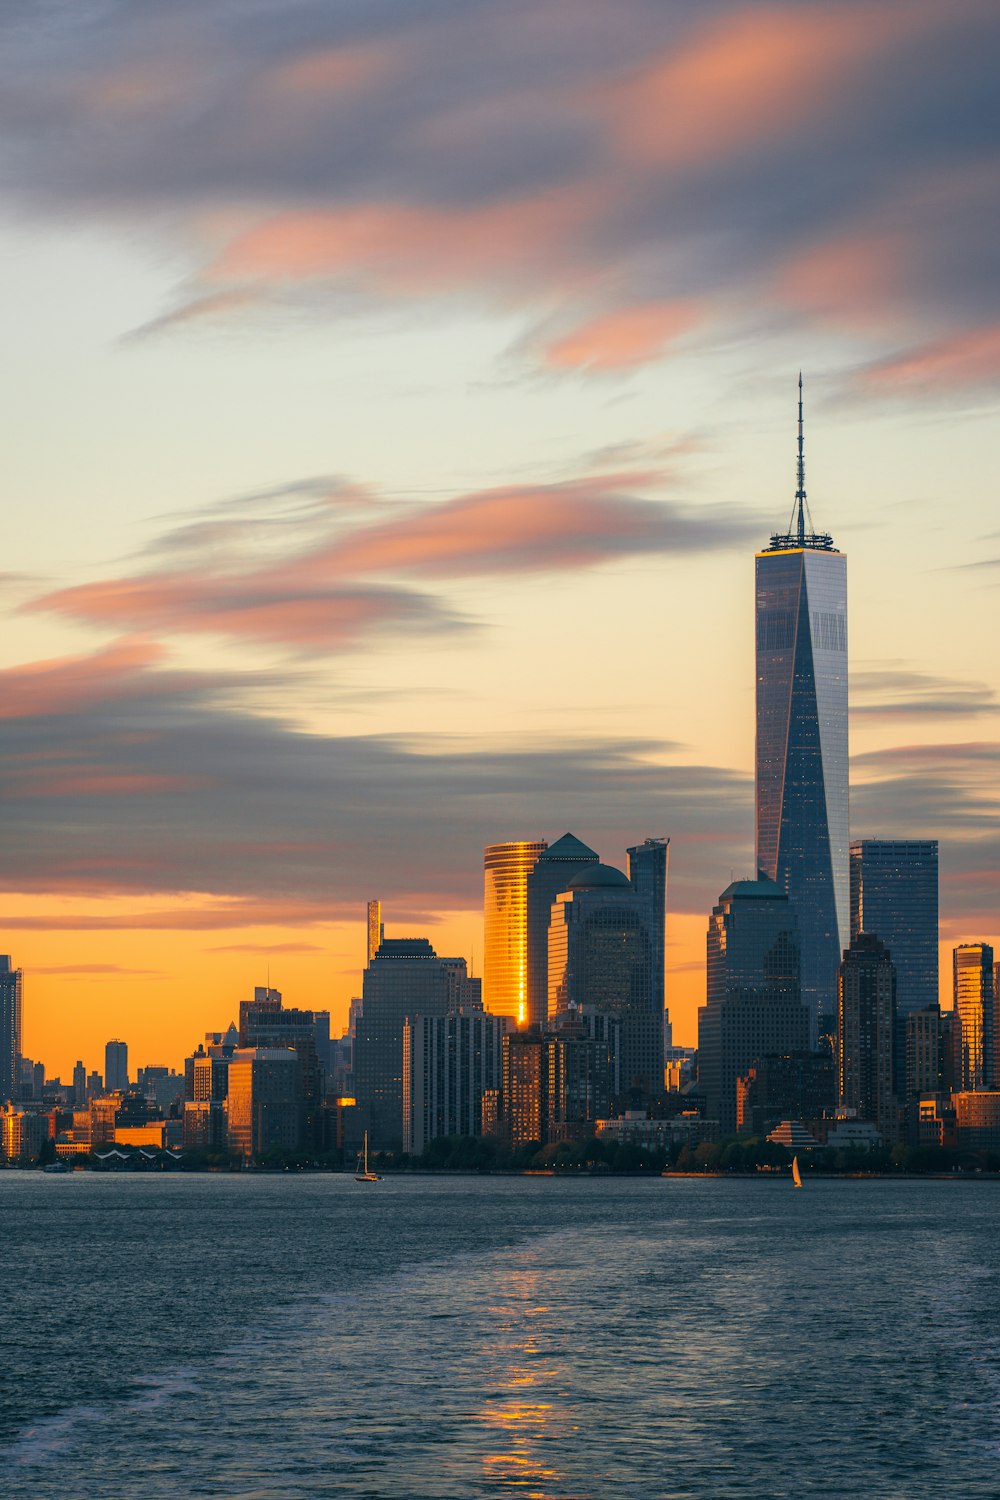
column 506, row 868
column 551, row 874
column 115, row 1066
column 801, row 743
column 894, row 894
column 866, row 1028
column 11, row 996
column 754, row 1005
column 647, row 873
column 974, row 1030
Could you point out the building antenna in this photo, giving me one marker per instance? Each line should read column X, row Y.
column 800, row 491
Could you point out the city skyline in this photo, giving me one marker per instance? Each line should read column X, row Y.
column 369, row 507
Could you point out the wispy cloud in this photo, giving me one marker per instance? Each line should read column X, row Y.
column 606, row 165
column 255, row 578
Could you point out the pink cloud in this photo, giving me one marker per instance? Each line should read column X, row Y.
column 964, row 359
column 622, row 339
column 65, row 684
column 404, row 248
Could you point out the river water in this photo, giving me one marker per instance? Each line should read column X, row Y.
column 293, row 1337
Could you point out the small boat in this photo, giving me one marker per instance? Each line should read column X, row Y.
column 363, row 1174
column 796, row 1174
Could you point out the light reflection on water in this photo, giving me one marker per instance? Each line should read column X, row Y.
column 441, row 1340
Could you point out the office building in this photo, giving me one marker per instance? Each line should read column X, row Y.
column 264, row 1102
column 405, row 978
column 376, row 928
column 22, row 1133
column 11, row 1002
column 894, row 895
column 647, row 873
column 754, row 1006
column 602, row 957
column 115, row 1066
column 506, row 868
column 973, row 1029
column 977, row 1119
column 866, row 1030
column 801, row 742
column 551, row 874
column 449, row 1062
column 79, row 1086
column 523, row 1094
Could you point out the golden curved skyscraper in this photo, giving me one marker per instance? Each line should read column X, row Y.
column 505, row 913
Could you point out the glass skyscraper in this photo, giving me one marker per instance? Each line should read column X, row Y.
column 506, row 868
column 801, row 752
column 894, row 895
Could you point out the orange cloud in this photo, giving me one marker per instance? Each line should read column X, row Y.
column 623, row 339
column 67, row 683
column 745, row 77
column 965, row 359
column 399, row 247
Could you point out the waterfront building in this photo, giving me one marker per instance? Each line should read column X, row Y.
column 376, row 928
column 866, row 1028
column 115, row 1066
column 103, row 1118
column 275, row 1026
column 602, row 957
column 977, row 1119
column 523, row 1099
column 583, row 1050
column 22, row 1133
column 789, row 1086
column 11, row 1003
column 552, row 872
column 894, row 894
column 922, row 1042
column 449, row 1062
column 264, row 1102
column 205, row 1126
column 506, row 868
column 801, row 759
column 405, row 978
column 973, row 1028
column 754, row 1006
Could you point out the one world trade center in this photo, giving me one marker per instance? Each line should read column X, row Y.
column 801, row 760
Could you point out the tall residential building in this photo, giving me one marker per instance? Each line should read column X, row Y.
column 448, row 1063
column 559, row 1080
column 922, row 1051
column 801, row 747
column 405, row 978
column 11, row 1000
column 602, row 957
column 506, row 868
column 973, row 1025
column 376, row 929
column 79, row 1086
column 754, row 1006
column 553, row 871
column 647, row 873
column 866, row 1030
column 894, row 894
column 115, row 1066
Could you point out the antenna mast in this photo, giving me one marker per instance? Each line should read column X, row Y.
column 800, row 491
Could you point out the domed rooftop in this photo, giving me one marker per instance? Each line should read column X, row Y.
column 597, row 875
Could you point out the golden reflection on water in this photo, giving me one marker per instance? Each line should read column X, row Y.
column 519, row 1413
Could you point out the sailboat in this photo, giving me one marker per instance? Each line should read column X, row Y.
column 364, row 1175
column 796, row 1174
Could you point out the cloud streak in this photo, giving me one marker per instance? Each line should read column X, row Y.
column 610, row 167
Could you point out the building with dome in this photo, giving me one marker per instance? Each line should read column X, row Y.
column 602, row 954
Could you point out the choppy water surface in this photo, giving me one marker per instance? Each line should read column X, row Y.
column 285, row 1338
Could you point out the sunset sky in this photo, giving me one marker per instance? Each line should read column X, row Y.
column 395, row 395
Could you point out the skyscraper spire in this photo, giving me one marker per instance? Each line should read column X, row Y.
column 800, row 491
column 800, row 531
